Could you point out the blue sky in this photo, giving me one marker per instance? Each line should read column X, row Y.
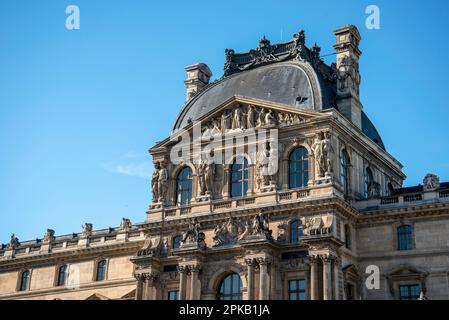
column 79, row 109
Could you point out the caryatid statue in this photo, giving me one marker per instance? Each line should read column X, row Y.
column 206, row 173
column 322, row 148
column 162, row 182
column 154, row 182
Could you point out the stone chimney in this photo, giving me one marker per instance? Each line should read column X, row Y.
column 348, row 85
column 198, row 76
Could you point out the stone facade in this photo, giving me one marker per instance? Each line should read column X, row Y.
column 346, row 215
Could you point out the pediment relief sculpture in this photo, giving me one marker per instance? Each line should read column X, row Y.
column 317, row 225
column 228, row 232
column 247, row 117
column 193, row 237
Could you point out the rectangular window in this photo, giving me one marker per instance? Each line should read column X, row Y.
column 297, row 289
column 173, row 295
column 409, row 292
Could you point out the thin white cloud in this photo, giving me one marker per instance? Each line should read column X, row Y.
column 131, row 164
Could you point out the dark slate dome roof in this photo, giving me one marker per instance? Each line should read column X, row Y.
column 288, row 73
column 295, row 84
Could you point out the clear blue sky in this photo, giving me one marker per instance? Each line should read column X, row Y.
column 79, row 109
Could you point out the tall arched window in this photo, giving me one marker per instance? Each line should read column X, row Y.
column 344, row 171
column 25, row 280
column 298, row 168
column 405, row 237
column 177, row 242
column 230, row 288
column 62, row 275
column 239, row 177
column 184, row 187
column 368, row 179
column 101, row 270
column 296, row 231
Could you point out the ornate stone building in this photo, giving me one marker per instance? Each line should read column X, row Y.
column 290, row 195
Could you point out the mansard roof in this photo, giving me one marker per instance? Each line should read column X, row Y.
column 288, row 73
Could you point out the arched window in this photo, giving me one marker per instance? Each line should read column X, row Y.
column 296, row 231
column 348, row 239
column 101, row 270
column 298, row 168
column 230, row 288
column 368, row 179
column 405, row 237
column 177, row 242
column 239, row 178
column 25, row 280
column 184, row 187
column 344, row 171
column 62, row 275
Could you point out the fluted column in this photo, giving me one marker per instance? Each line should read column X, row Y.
column 327, row 285
column 182, row 282
column 313, row 278
column 195, row 286
column 250, row 289
column 139, row 286
column 263, row 278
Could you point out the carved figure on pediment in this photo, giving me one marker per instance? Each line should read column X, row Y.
column 227, row 232
column 162, row 182
column 250, row 117
column 216, row 129
column 431, row 182
column 260, row 118
column 154, row 182
column 193, row 236
column 269, row 118
column 225, row 121
column 236, row 119
column 260, row 226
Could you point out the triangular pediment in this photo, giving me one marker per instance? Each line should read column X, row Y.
column 130, row 295
column 242, row 114
column 97, row 296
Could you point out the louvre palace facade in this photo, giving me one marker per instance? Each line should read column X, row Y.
column 274, row 184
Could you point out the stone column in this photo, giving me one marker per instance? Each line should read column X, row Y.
column 139, row 286
column 337, row 266
column 250, row 287
column 263, row 278
column 195, row 286
column 150, row 290
column 313, row 278
column 226, row 181
column 182, row 282
column 327, row 285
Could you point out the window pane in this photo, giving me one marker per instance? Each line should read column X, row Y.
column 184, row 186
column 230, row 288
